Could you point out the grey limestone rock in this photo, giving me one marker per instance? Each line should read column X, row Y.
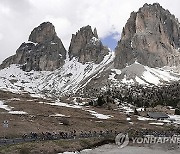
column 151, row 36
column 43, row 52
column 86, row 46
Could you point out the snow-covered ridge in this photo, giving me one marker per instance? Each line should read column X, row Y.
column 138, row 73
column 67, row 79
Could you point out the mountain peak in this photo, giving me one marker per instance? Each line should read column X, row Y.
column 157, row 5
column 151, row 37
column 44, row 52
column 86, row 46
column 44, row 32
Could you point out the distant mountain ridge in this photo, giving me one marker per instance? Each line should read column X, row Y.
column 147, row 53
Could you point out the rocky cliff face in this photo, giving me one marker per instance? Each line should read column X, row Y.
column 86, row 46
column 151, row 36
column 43, row 52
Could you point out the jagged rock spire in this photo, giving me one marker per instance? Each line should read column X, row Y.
column 86, row 46
column 95, row 33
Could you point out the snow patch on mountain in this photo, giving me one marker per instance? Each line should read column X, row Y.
column 9, row 109
column 176, row 118
column 17, row 112
column 98, row 115
column 58, row 115
column 5, row 107
column 58, row 103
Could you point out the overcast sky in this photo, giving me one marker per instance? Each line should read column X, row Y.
column 19, row 17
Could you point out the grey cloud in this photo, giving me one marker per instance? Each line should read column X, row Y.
column 17, row 5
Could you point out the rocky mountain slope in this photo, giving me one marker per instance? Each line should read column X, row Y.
column 147, row 54
column 151, row 36
column 67, row 79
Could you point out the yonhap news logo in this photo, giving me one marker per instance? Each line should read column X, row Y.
column 122, row 140
column 150, row 139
